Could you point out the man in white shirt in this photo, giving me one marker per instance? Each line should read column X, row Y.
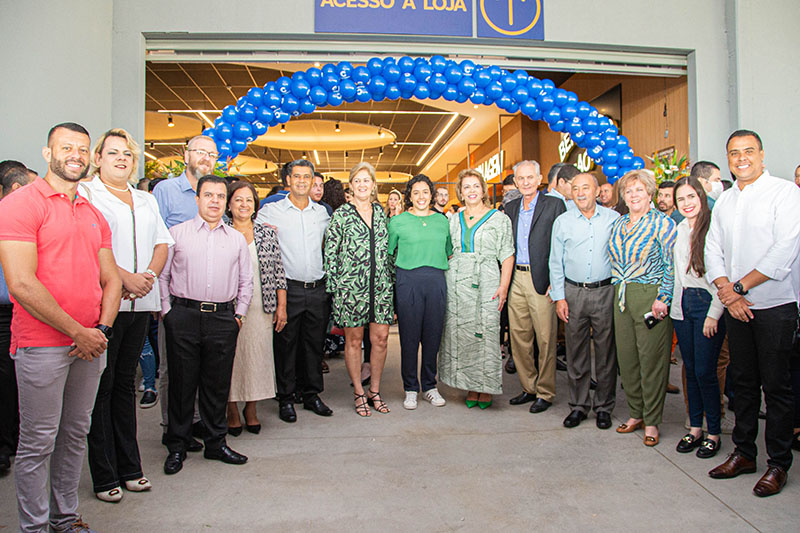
column 752, row 257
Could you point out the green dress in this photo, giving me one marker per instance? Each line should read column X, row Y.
column 469, row 358
column 358, row 268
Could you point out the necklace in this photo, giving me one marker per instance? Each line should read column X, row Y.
column 114, row 188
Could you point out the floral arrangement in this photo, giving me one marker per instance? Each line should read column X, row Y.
column 670, row 168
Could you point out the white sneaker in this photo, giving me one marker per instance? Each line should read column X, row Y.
column 411, row 400
column 434, row 397
column 140, row 388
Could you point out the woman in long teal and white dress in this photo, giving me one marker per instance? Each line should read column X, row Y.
column 470, row 357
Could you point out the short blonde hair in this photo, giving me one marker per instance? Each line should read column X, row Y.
column 133, row 146
column 472, row 173
column 642, row 175
column 358, row 168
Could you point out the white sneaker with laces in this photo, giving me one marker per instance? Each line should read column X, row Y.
column 434, row 397
column 411, row 400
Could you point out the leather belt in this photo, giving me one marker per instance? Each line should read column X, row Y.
column 205, row 307
column 306, row 284
column 524, row 268
column 592, row 285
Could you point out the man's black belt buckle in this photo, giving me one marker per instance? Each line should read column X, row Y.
column 208, row 307
column 592, row 285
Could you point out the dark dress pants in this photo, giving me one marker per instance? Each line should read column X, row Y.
column 300, row 343
column 421, row 302
column 200, row 349
column 113, row 449
column 9, row 402
column 760, row 353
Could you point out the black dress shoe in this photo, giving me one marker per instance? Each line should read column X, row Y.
column 315, row 404
column 5, row 462
column 603, row 420
column 574, row 418
column 523, row 397
column 510, row 367
column 708, row 448
column 226, row 455
column 539, row 406
column 286, row 412
column 688, row 443
column 174, row 462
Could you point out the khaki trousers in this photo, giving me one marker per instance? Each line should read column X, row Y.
column 529, row 313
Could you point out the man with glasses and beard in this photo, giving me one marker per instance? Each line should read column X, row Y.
column 55, row 249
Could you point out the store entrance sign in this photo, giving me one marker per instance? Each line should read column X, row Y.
column 492, row 167
column 584, row 162
column 407, row 17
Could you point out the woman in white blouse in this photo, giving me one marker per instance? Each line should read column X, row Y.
column 696, row 312
column 140, row 241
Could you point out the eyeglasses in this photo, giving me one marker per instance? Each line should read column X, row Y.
column 203, row 153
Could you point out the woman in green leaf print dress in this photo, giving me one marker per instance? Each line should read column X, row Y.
column 476, row 291
column 359, row 276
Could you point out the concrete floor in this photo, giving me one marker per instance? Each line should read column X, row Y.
column 438, row 469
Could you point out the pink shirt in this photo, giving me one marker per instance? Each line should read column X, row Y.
column 207, row 265
column 68, row 237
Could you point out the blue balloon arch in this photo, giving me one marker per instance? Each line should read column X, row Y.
column 389, row 78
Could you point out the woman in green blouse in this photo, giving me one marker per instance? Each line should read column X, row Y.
column 359, row 276
column 419, row 239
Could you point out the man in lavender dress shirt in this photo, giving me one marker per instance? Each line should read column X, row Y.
column 206, row 287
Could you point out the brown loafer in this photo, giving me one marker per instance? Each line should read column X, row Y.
column 735, row 464
column 625, row 428
column 771, row 482
column 650, row 441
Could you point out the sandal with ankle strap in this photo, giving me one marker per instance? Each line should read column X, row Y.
column 361, row 405
column 377, row 402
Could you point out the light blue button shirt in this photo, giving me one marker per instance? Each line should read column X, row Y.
column 569, row 203
column 579, row 248
column 176, row 200
column 524, row 221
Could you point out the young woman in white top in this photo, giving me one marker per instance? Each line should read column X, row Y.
column 140, row 242
column 696, row 312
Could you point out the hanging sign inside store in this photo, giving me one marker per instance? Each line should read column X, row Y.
column 492, row 167
column 407, row 17
column 516, row 19
column 565, row 148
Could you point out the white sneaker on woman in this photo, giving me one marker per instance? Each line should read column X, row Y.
column 434, row 397
column 411, row 400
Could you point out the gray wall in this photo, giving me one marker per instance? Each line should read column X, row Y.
column 84, row 59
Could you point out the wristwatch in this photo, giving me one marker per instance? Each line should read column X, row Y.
column 240, row 317
column 107, row 331
column 738, row 289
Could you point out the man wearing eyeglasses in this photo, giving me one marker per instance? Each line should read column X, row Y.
column 301, row 225
column 176, row 203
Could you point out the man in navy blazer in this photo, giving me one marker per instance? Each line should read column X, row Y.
column 531, row 312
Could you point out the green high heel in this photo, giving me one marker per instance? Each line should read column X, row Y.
column 471, row 403
column 484, row 405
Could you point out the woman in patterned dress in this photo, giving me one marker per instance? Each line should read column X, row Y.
column 359, row 276
column 253, row 376
column 470, row 358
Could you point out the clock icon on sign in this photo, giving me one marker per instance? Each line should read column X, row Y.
column 518, row 19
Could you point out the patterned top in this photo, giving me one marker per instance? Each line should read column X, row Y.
column 270, row 265
column 358, row 267
column 643, row 254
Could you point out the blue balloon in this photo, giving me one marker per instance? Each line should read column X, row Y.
column 521, row 76
column 330, row 68
column 363, row 95
column 578, row 136
column 461, row 98
column 374, row 66
column 513, row 107
column 534, row 87
column 348, row 90
column 545, row 102
column 405, row 95
column 238, row 145
column 478, row 96
column 453, row 74
column 466, row 86
column 504, row 102
column 610, row 169
column 377, row 85
column 422, row 91
column 558, row 125
column 638, row 163
column 344, row 69
column 613, row 129
column 609, row 138
column 270, row 86
column 307, row 106
column 378, row 98
column 290, row 103
column 229, row 114
column 622, row 144
column 496, row 72
column 247, row 113
column 272, row 99
column 281, row 116
column 438, row 63
column 223, row 132
column 264, row 114
column 438, row 83
column 552, row 116
column 590, row 125
column 407, row 82
column 528, row 107
column 241, row 102
column 224, row 150
column 467, row 67
column 450, row 93
column 572, row 98
column 573, row 125
column 318, row 95
column 423, row 72
column 604, row 122
column 298, row 75
column 209, row 132
column 259, row 128
column 548, row 85
column 421, row 61
column 406, row 64
column 218, row 121
column 595, row 152
column 482, row 78
column 360, row 75
column 392, row 73
column 494, row 90
column 583, row 110
column 284, row 85
column 592, row 140
column 313, row 76
column 392, row 91
column 335, row 99
column 300, row 88
column 560, row 97
column 520, row 94
column 330, row 82
column 610, row 155
column 508, row 83
column 242, row 130
column 255, row 96
column 569, row 112
column 625, row 159
column 536, row 115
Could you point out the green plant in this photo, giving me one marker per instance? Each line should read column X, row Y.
column 670, row 168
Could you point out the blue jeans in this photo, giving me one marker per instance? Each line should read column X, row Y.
column 147, row 360
column 700, row 356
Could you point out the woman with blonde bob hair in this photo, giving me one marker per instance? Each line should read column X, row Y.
column 641, row 251
column 359, row 276
column 140, row 241
column 394, row 203
column 469, row 358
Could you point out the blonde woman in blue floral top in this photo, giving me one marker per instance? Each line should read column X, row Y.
column 641, row 269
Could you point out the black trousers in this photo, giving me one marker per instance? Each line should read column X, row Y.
column 760, row 358
column 299, row 345
column 113, row 449
column 421, row 303
column 200, row 349
column 9, row 401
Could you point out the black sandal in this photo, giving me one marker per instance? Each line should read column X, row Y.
column 361, row 405
column 377, row 402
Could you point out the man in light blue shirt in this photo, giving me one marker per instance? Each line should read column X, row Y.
column 561, row 183
column 580, row 280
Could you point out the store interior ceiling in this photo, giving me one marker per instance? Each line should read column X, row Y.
column 400, row 138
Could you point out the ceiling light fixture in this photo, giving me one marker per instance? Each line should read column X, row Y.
column 170, row 124
column 394, row 143
column 450, row 143
column 283, row 128
column 380, row 132
column 151, row 156
column 152, row 145
column 438, row 138
column 316, row 156
column 305, row 156
column 337, row 129
column 346, row 155
column 316, row 64
column 380, row 150
column 204, row 117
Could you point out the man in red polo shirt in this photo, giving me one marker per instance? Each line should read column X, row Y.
column 55, row 249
